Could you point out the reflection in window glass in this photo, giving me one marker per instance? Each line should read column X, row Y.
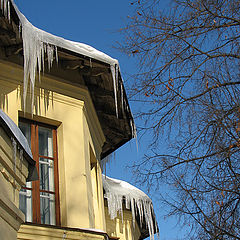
column 26, row 130
column 25, row 202
column 47, row 208
column 46, row 174
column 45, row 142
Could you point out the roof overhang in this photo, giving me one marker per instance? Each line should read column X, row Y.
column 83, row 70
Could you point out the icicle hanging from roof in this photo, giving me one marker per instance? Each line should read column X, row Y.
column 116, row 191
column 5, row 6
column 114, row 70
column 34, row 49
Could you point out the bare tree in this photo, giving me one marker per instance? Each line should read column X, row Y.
column 189, row 89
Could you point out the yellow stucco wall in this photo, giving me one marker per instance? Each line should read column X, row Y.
column 79, row 135
column 122, row 227
column 13, row 174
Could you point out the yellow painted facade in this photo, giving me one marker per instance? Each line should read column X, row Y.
column 80, row 140
column 122, row 227
column 12, row 177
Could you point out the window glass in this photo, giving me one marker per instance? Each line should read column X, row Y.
column 47, row 208
column 25, row 195
column 26, row 130
column 46, row 174
column 45, row 142
column 25, row 202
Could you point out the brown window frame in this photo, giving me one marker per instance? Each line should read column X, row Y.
column 36, row 216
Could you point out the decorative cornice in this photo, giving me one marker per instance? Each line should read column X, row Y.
column 36, row 230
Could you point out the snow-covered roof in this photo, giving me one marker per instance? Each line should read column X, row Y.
column 118, row 192
column 54, row 40
column 13, row 130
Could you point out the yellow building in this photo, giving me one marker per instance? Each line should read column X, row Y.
column 69, row 101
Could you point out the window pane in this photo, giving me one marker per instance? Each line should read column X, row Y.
column 25, row 203
column 46, row 174
column 25, row 196
column 26, row 130
column 47, row 208
column 45, row 142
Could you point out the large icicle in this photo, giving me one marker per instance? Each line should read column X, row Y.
column 116, row 191
column 114, row 70
column 34, row 49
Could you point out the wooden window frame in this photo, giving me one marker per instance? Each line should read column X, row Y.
column 36, row 216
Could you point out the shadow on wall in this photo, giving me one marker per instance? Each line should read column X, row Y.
column 5, row 91
column 33, row 102
column 45, row 94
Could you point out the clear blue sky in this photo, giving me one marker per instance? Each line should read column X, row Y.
column 96, row 23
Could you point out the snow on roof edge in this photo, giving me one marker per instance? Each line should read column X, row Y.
column 17, row 135
column 16, row 132
column 73, row 46
column 118, row 191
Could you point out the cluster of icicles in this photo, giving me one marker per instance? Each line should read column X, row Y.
column 34, row 49
column 37, row 43
column 118, row 192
